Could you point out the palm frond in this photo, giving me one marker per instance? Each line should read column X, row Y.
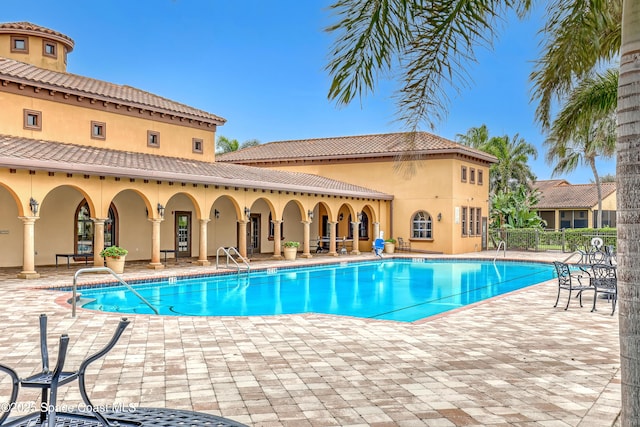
column 431, row 43
column 578, row 34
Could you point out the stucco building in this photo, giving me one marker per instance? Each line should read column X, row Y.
column 566, row 205
column 86, row 164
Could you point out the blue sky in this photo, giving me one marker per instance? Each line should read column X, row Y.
column 260, row 65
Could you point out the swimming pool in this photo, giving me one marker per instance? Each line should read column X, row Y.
column 402, row 290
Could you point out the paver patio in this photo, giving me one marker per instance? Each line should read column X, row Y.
column 514, row 360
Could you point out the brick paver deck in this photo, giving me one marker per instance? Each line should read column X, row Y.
column 514, row 360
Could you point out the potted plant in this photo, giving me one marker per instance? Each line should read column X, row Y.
column 389, row 246
column 290, row 250
column 114, row 255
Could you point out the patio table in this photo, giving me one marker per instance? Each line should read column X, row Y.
column 143, row 417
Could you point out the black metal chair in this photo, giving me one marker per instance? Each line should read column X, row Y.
column 131, row 417
column 49, row 381
column 566, row 280
column 403, row 246
column 604, row 281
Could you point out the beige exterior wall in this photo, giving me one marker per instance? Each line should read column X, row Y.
column 35, row 55
column 65, row 122
column 135, row 202
column 436, row 187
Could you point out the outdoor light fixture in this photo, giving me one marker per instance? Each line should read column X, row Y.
column 340, row 217
column 247, row 211
column 310, row 212
column 359, row 215
column 216, row 213
column 160, row 210
column 439, row 217
column 33, row 203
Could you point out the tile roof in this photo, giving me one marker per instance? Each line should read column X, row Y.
column 556, row 194
column 360, row 146
column 23, row 73
column 24, row 153
column 28, row 27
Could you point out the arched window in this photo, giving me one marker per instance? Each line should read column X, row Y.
column 272, row 228
column 421, row 227
column 363, row 230
column 85, row 232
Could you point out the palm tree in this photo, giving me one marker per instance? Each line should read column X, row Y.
column 512, row 167
column 475, row 137
column 429, row 45
column 606, row 178
column 226, row 145
column 585, row 128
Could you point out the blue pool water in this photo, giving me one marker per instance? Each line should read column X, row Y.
column 403, row 290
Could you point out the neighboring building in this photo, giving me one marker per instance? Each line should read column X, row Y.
column 86, row 164
column 440, row 188
column 565, row 205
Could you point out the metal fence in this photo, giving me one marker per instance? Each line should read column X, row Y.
column 566, row 240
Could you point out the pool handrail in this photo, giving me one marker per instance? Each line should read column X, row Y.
column 502, row 244
column 113, row 273
column 228, row 252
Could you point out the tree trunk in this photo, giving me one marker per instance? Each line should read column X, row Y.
column 592, row 163
column 628, row 198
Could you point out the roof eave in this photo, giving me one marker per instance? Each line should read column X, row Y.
column 17, row 80
column 392, row 155
column 96, row 170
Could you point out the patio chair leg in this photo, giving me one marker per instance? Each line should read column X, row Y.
column 557, row 299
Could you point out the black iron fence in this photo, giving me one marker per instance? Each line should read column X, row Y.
column 567, row 240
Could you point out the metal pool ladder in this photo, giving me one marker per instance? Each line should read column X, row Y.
column 502, row 245
column 113, row 273
column 229, row 253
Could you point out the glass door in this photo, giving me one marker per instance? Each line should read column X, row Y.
column 183, row 234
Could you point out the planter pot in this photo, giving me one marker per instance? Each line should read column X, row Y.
column 389, row 247
column 116, row 264
column 290, row 253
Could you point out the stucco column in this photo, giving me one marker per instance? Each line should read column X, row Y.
column 355, row 226
column 242, row 235
column 332, row 238
column 202, row 256
column 306, row 243
column 155, row 244
column 28, row 248
column 277, row 237
column 376, row 230
column 98, row 241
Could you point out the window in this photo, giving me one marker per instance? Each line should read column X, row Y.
column 363, row 227
column 421, row 227
column 196, row 145
column 480, row 177
column 472, row 176
column 363, row 232
column 608, row 218
column 32, row 120
column 98, row 130
column 464, row 221
column 272, row 228
column 85, row 229
column 19, row 44
column 478, row 217
column 153, row 139
column 471, row 218
column 464, row 174
column 49, row 48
